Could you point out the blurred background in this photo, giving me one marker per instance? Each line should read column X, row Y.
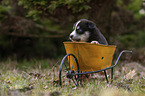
column 37, row 28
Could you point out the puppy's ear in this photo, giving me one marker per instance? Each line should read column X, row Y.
column 91, row 25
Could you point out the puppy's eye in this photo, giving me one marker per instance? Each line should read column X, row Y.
column 80, row 31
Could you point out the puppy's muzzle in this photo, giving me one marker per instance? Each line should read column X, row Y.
column 71, row 36
column 73, row 39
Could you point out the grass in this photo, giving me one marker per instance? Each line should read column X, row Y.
column 36, row 78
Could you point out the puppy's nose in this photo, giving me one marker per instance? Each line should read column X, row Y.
column 71, row 36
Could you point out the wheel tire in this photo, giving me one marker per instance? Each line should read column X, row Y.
column 66, row 71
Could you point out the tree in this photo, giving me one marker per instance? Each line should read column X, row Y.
column 47, row 20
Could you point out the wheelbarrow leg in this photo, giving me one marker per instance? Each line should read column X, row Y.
column 111, row 75
column 81, row 78
column 106, row 76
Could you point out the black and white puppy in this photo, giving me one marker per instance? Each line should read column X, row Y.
column 86, row 31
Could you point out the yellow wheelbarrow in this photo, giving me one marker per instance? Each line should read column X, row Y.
column 86, row 58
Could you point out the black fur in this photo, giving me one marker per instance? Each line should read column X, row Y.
column 94, row 32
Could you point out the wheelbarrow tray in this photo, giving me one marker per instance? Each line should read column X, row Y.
column 91, row 57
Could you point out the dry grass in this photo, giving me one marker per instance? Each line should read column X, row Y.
column 36, row 78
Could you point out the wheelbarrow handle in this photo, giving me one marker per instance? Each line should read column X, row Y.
column 124, row 51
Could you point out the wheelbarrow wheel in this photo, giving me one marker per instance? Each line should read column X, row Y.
column 67, row 75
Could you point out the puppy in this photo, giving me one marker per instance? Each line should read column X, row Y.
column 86, row 31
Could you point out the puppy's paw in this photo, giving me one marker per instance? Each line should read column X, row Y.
column 95, row 42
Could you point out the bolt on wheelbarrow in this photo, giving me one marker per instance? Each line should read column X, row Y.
column 86, row 58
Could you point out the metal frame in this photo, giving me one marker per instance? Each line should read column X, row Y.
column 70, row 74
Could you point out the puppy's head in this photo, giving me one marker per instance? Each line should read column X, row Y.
column 81, row 30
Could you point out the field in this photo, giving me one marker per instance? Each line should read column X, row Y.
column 39, row 78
